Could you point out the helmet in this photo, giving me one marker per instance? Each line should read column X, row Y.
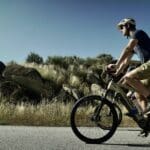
column 126, row 21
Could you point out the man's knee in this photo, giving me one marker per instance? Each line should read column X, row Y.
column 125, row 80
column 128, row 78
column 131, row 75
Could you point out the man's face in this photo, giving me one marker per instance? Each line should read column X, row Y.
column 123, row 30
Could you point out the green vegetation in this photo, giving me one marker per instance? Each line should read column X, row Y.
column 43, row 93
column 33, row 57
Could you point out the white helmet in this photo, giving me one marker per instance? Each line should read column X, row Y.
column 126, row 21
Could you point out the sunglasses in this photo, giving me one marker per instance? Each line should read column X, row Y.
column 121, row 27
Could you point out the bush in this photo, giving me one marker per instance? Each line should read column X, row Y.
column 57, row 60
column 104, row 58
column 64, row 62
column 32, row 57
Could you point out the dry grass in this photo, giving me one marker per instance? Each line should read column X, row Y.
column 51, row 114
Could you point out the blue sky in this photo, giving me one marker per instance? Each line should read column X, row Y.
column 85, row 28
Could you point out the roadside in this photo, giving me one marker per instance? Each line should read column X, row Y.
column 50, row 114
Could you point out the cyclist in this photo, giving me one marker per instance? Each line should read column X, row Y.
column 139, row 78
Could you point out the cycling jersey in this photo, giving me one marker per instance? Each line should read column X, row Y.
column 142, row 49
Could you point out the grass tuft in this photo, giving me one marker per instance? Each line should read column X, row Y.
column 44, row 114
column 52, row 114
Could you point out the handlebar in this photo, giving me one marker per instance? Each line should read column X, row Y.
column 111, row 76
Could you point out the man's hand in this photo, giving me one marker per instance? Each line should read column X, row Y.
column 115, row 74
column 111, row 67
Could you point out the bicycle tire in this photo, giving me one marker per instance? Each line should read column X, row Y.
column 118, row 110
column 119, row 113
column 77, row 131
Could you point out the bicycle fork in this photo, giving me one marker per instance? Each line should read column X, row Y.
column 97, row 110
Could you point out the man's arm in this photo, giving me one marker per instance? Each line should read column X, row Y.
column 124, row 58
column 124, row 64
column 127, row 52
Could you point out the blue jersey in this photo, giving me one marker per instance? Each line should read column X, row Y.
column 142, row 49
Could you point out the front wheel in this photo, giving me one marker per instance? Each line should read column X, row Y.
column 110, row 96
column 88, row 116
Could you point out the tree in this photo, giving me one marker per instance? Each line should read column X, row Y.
column 33, row 57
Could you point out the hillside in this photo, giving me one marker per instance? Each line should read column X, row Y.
column 62, row 79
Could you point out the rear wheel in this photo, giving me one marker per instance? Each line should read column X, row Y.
column 89, row 116
column 119, row 113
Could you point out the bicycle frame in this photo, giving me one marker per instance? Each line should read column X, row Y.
column 112, row 85
column 104, row 111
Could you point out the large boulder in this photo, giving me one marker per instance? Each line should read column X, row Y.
column 19, row 70
column 24, row 84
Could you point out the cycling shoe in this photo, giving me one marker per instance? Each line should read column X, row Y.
column 143, row 133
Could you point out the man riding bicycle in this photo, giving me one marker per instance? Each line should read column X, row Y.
column 139, row 78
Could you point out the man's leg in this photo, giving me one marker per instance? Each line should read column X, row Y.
column 132, row 79
column 141, row 100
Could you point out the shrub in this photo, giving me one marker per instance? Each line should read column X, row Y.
column 32, row 57
column 57, row 60
column 104, row 58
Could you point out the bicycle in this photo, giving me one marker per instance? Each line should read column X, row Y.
column 94, row 119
